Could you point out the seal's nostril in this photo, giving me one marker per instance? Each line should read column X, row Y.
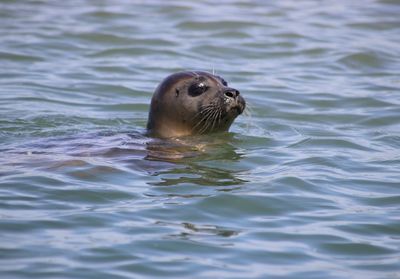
column 229, row 94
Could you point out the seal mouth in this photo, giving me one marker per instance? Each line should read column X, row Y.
column 239, row 106
column 238, row 109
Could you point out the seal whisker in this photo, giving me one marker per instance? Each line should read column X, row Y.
column 199, row 122
column 215, row 118
column 205, row 113
column 248, row 110
column 205, row 127
column 206, row 123
column 202, row 111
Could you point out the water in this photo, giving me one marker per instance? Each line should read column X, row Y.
column 305, row 187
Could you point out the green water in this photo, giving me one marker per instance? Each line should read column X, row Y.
column 307, row 185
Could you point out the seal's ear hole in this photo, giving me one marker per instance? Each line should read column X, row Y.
column 197, row 89
column 176, row 92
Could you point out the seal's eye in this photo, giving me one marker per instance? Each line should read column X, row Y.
column 197, row 89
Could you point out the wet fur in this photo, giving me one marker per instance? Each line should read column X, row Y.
column 175, row 111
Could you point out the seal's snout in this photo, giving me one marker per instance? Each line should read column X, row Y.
column 235, row 101
column 240, row 104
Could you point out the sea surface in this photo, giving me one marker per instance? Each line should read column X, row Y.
column 305, row 185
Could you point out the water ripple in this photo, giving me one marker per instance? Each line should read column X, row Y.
column 305, row 186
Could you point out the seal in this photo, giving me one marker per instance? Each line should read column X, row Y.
column 192, row 103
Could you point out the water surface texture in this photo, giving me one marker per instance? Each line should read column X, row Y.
column 307, row 185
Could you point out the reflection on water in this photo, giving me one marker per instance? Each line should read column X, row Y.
column 191, row 231
column 173, row 161
column 199, row 175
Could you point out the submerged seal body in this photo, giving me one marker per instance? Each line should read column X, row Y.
column 190, row 103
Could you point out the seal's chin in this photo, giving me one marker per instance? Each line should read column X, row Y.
column 239, row 106
column 239, row 109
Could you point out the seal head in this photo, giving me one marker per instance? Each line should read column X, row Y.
column 190, row 103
